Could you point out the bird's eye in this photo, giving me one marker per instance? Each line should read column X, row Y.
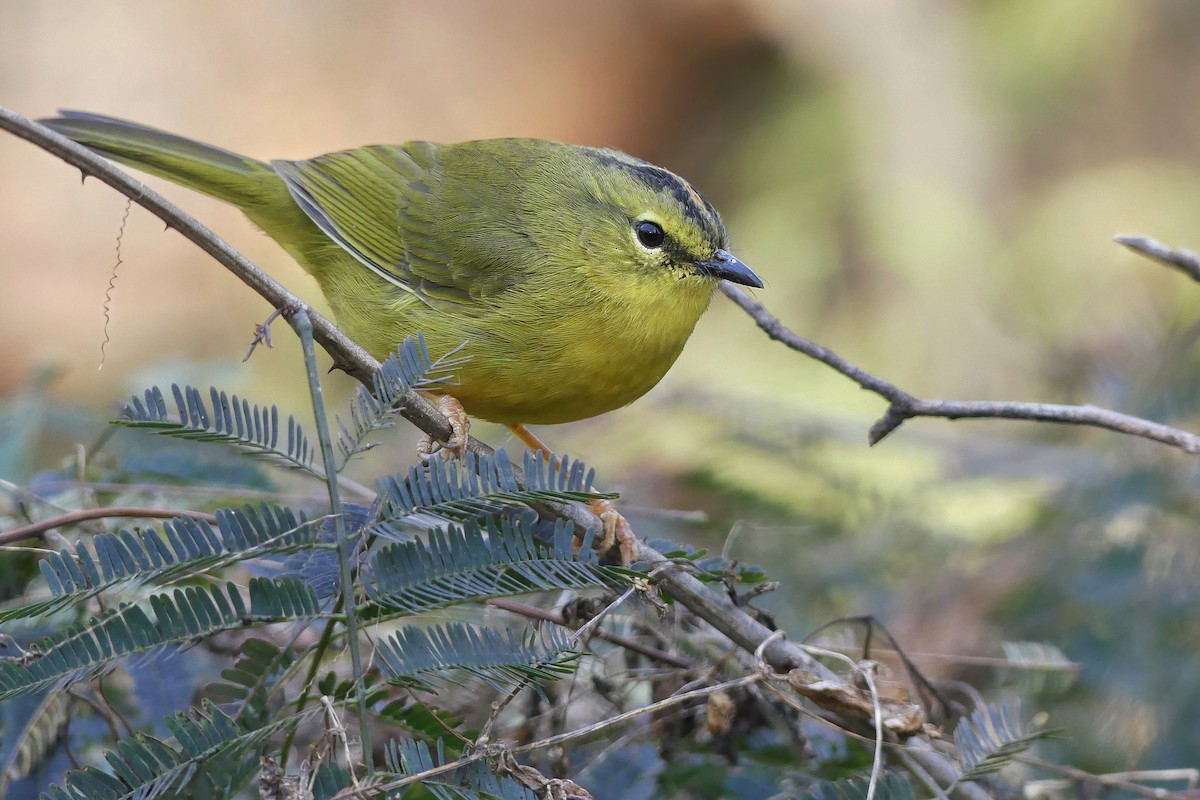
column 650, row 234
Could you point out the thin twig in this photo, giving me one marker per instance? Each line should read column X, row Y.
column 975, row 661
column 608, row 722
column 1185, row 261
column 866, row 669
column 111, row 289
column 486, row 731
column 301, row 322
column 904, row 406
column 1117, row 780
column 133, row 512
column 1088, row 415
column 556, row 617
column 550, row 741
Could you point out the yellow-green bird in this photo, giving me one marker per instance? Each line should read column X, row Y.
column 572, row 276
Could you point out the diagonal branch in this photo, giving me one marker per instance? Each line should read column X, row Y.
column 904, row 406
column 715, row 609
column 1185, row 261
column 347, row 355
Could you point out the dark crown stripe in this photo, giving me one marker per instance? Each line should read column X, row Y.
column 694, row 204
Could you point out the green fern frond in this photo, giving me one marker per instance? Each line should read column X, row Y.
column 142, row 766
column 412, row 656
column 252, row 429
column 474, row 781
column 470, row 563
column 991, row 738
column 420, row 717
column 260, row 666
column 476, row 486
column 892, row 786
column 184, row 547
column 38, row 737
column 176, row 616
column 409, row 367
column 412, row 757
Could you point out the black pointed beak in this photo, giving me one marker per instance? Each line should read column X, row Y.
column 723, row 266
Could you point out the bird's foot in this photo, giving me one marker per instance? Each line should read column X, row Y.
column 460, row 425
column 616, row 531
column 616, row 528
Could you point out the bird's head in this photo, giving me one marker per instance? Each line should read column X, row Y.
column 655, row 223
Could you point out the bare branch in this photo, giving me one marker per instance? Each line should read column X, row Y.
column 1088, row 415
column 904, row 406
column 1185, row 261
column 781, row 333
column 132, row 512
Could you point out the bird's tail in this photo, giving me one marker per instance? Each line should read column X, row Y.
column 238, row 180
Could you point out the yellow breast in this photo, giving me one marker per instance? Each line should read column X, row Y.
column 579, row 363
column 554, row 355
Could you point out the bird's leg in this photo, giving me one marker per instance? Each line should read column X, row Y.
column 616, row 528
column 460, row 424
column 530, row 440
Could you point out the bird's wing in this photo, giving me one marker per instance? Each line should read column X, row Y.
column 386, row 205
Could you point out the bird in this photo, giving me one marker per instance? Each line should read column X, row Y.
column 566, row 278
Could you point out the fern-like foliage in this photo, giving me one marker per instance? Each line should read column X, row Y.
column 891, row 786
column 259, row 667
column 185, row 546
column 413, row 655
column 419, row 717
column 329, row 780
column 470, row 563
column 176, row 616
column 475, row 781
column 38, row 735
column 477, row 486
column 991, row 738
column 373, row 409
column 144, row 767
column 253, row 429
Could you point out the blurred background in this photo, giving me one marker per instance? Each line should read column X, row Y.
column 929, row 187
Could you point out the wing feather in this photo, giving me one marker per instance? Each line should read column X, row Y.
column 448, row 223
column 356, row 199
